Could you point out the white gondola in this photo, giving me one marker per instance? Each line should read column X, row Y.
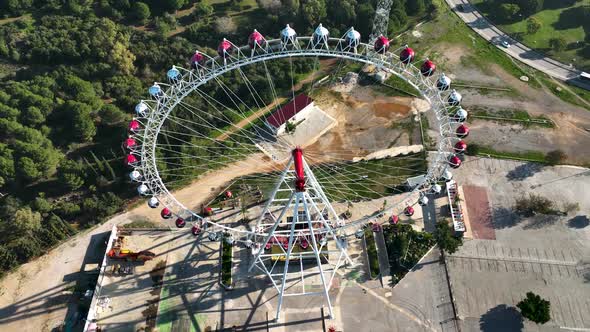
column 352, row 39
column 141, row 109
column 320, row 37
column 153, row 202
column 454, row 98
column 443, row 83
column 213, row 236
column 173, row 74
column 436, row 188
column 155, row 90
column 359, row 233
column 135, row 175
column 461, row 114
column 288, row 37
column 142, row 189
column 229, row 239
column 447, row 175
column 423, row 200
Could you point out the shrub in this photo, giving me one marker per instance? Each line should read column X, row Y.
column 533, row 204
column 555, row 157
column 535, row 308
column 472, row 149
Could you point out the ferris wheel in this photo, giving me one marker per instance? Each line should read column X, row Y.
column 245, row 114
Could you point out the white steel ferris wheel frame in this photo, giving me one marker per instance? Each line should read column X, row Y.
column 317, row 228
column 160, row 106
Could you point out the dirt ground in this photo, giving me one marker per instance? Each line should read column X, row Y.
column 366, row 123
column 572, row 132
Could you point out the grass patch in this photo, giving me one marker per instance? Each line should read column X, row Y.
column 372, row 253
column 483, row 150
column 427, row 141
column 512, row 115
column 405, row 248
column 348, row 181
column 142, row 223
column 448, row 28
column 559, row 19
column 226, row 262
column 398, row 84
column 564, row 94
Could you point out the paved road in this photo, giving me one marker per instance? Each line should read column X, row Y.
column 488, row 31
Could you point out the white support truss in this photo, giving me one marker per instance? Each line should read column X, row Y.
column 301, row 248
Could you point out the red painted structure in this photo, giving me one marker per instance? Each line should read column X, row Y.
column 381, row 44
column 428, row 68
column 197, row 58
column 455, row 162
column 255, row 39
column 299, row 172
column 460, row 146
column 394, row 219
column 407, row 55
column 409, row 211
column 166, row 213
column 134, row 125
column 180, row 223
column 130, row 159
column 224, row 48
column 462, row 131
column 130, row 143
column 286, row 112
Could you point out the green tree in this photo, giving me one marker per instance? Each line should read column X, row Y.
column 202, row 10
column 28, row 169
column 25, row 248
column 41, row 204
column 70, row 174
column 32, row 116
column 343, row 12
column 7, row 259
column 535, row 308
column 26, row 221
column 443, row 234
column 532, row 25
column 529, row 7
column 557, row 44
column 16, row 7
column 290, row 8
column 508, row 11
column 126, row 90
column 533, row 204
column 140, row 11
column 122, row 58
column 415, row 7
column 79, row 120
column 172, row 5
column 314, row 11
column 7, row 170
column 111, row 114
column 364, row 18
column 555, row 157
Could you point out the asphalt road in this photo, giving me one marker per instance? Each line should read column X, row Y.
column 494, row 35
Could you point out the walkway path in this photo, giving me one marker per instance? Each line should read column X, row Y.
column 493, row 34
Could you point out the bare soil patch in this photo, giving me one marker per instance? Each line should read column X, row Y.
column 480, row 215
